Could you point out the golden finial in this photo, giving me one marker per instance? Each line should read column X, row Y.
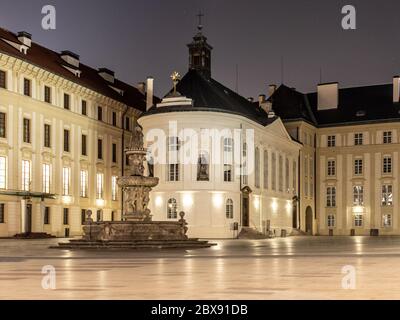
column 176, row 77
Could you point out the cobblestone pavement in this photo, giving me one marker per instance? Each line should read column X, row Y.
column 291, row 268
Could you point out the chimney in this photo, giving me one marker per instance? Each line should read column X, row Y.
column 150, row 92
column 271, row 90
column 261, row 99
column 107, row 74
column 396, row 89
column 25, row 38
column 328, row 96
column 141, row 86
column 250, row 99
column 70, row 58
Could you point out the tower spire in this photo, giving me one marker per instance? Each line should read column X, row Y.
column 200, row 51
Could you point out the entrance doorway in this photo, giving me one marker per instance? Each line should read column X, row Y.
column 309, row 221
column 294, row 214
column 28, row 218
column 246, row 206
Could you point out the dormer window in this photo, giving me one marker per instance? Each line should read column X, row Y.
column 107, row 75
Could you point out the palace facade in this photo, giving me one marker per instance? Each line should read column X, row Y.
column 62, row 128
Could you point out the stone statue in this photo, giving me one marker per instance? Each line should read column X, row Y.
column 136, row 187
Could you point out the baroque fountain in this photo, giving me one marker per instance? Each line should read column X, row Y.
column 137, row 229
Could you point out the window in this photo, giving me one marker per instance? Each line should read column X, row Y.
column 127, row 123
column 66, row 216
column 99, row 215
column 287, row 176
column 26, row 175
column 387, row 137
column 172, row 210
column 66, row 140
column 100, row 113
column 229, row 209
column 3, row 80
column 331, row 221
column 47, row 136
column 66, row 181
column 358, row 166
column 3, row 173
column 46, row 219
column 2, row 213
column 113, row 214
column 27, row 131
column 2, row 125
column 173, row 159
column 331, row 197
column 66, row 101
column 114, row 119
column 387, row 165
column 358, row 139
column 257, row 168
column 266, row 171
column 83, row 146
column 280, row 181
column 83, row 216
column 46, row 177
column 245, row 174
column 99, row 186
column 100, row 149
column 27, row 87
column 203, row 167
column 387, row 195
column 331, row 168
column 114, row 153
column 387, row 220
column 331, row 141
column 273, row 171
column 114, row 188
column 84, row 108
column 84, row 183
column 294, row 177
column 228, row 159
column 358, row 195
column 47, row 94
column 358, row 220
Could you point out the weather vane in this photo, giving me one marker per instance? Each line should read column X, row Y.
column 176, row 77
column 200, row 15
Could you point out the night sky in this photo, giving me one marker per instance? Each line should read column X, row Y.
column 141, row 38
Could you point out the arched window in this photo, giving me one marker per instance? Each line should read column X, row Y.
column 257, row 168
column 229, row 209
column 203, row 167
column 172, row 209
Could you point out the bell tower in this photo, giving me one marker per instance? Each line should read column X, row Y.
column 200, row 52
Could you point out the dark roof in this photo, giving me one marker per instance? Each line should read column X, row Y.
column 210, row 95
column 89, row 78
column 290, row 104
column 358, row 105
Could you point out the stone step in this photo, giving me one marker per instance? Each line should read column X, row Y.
column 136, row 244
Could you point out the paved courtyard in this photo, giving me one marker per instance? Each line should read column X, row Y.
column 291, row 268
